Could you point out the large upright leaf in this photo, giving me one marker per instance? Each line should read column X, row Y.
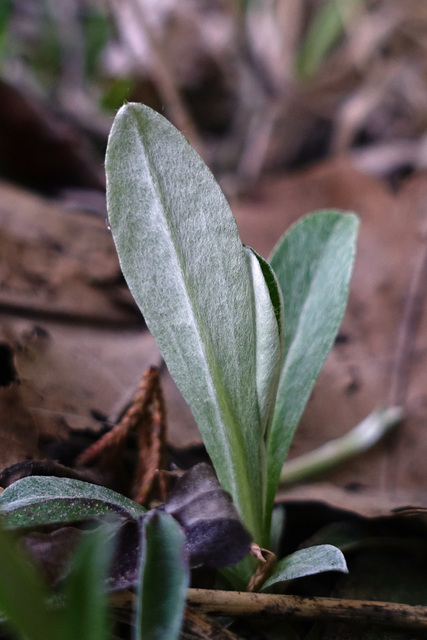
column 313, row 263
column 164, row 579
column 183, row 260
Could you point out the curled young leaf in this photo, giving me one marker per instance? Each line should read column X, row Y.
column 269, row 331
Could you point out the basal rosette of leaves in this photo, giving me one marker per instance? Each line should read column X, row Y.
column 243, row 338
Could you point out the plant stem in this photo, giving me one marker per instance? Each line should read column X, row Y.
column 359, row 439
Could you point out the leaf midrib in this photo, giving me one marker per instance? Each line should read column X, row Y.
column 211, row 368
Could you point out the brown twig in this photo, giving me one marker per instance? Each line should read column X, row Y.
column 135, row 414
column 245, row 604
column 147, row 418
column 235, row 603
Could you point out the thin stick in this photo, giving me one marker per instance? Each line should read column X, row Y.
column 137, row 412
column 239, row 603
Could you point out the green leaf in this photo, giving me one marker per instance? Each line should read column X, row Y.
column 183, row 260
column 40, row 500
column 164, row 579
column 313, row 263
column 326, row 28
column 269, row 335
column 306, row 562
column 23, row 595
column 85, row 613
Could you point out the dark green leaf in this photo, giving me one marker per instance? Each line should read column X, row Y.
column 23, row 595
column 85, row 614
column 164, row 579
column 40, row 500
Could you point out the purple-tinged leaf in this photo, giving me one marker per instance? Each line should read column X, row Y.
column 215, row 534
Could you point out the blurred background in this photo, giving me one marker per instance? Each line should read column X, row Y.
column 257, row 86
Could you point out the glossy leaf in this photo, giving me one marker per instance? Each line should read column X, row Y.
column 39, row 500
column 306, row 562
column 183, row 260
column 164, row 579
column 269, row 335
column 313, row 263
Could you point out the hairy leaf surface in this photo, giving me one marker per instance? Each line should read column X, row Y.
column 183, row 260
column 39, row 500
column 306, row 562
column 313, row 263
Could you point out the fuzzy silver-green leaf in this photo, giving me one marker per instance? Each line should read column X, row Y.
column 185, row 265
column 306, row 562
column 313, row 263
